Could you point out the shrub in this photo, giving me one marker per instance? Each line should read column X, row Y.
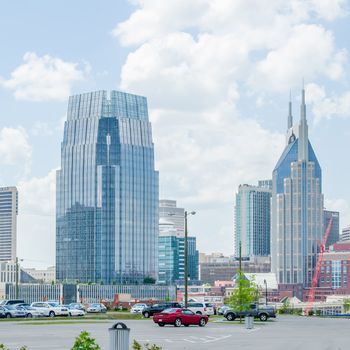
column 85, row 342
column 137, row 346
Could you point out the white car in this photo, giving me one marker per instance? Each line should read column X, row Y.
column 50, row 309
column 75, row 312
column 137, row 308
column 200, row 308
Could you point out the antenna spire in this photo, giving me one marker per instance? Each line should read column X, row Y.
column 290, row 116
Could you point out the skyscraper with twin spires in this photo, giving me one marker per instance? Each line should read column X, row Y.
column 297, row 206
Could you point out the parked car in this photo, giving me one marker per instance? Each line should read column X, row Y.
column 78, row 306
column 11, row 311
column 51, row 309
column 200, row 308
column 210, row 309
column 96, row 308
column 72, row 311
column 222, row 309
column 178, row 317
column 156, row 308
column 137, row 308
column 262, row 312
column 30, row 311
column 11, row 302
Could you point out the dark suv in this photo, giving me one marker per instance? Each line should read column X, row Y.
column 156, row 308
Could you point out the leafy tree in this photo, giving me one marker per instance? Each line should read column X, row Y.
column 244, row 294
column 346, row 304
column 149, row 280
column 85, row 342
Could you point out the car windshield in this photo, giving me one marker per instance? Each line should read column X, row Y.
column 95, row 305
column 54, row 304
column 169, row 311
column 10, row 307
column 208, row 305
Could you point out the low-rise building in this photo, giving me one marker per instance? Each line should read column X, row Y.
column 42, row 275
column 211, row 272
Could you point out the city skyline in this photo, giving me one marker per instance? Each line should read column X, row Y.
column 217, row 85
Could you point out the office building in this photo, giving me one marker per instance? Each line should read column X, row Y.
column 169, row 212
column 252, row 220
column 171, row 246
column 334, row 234
column 8, row 223
column 345, row 234
column 107, row 191
column 226, row 270
column 297, row 206
column 42, row 275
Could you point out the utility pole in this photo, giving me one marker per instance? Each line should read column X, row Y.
column 186, row 256
column 186, row 262
column 240, row 281
column 16, row 277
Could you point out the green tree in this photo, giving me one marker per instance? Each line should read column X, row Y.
column 85, row 342
column 244, row 294
column 346, row 304
column 149, row 280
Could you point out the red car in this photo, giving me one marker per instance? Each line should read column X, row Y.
column 179, row 317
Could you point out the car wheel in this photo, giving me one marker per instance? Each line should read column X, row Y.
column 177, row 323
column 8, row 316
column 202, row 322
column 51, row 314
column 146, row 314
column 198, row 313
column 263, row 317
column 29, row 315
column 161, row 324
column 230, row 317
column 70, row 314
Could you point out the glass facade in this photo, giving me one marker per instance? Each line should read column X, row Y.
column 8, row 223
column 252, row 220
column 107, row 191
column 334, row 234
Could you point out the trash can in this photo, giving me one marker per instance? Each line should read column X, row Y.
column 249, row 322
column 119, row 337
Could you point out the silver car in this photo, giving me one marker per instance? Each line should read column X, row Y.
column 12, row 311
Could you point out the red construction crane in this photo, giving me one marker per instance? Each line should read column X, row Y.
column 311, row 297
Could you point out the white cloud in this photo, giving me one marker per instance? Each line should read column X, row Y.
column 309, row 52
column 44, row 78
column 15, row 149
column 36, row 220
column 327, row 107
column 194, row 60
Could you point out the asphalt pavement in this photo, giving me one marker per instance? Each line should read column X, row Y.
column 286, row 333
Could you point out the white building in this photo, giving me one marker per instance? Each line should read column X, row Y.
column 8, row 223
column 44, row 276
column 170, row 213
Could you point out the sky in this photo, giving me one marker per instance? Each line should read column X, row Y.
column 217, row 76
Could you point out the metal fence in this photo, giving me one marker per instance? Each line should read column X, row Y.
column 67, row 293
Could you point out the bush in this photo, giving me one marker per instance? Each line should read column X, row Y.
column 85, row 342
column 137, row 346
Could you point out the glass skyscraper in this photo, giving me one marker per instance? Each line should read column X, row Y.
column 252, row 220
column 297, row 207
column 107, row 191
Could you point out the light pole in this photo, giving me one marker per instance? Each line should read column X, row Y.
column 186, row 256
column 265, row 292
column 16, row 277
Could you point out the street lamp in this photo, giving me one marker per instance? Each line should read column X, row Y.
column 265, row 292
column 186, row 256
column 17, row 272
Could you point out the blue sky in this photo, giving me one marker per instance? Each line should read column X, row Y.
column 217, row 77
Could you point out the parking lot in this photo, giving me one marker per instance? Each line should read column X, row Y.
column 286, row 332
